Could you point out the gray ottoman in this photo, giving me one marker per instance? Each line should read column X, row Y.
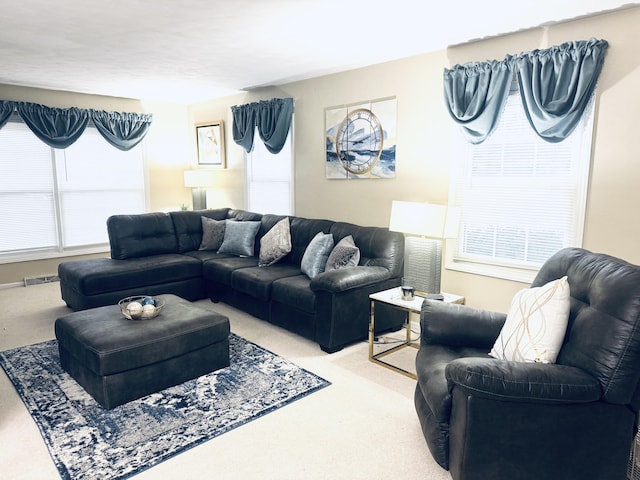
column 118, row 360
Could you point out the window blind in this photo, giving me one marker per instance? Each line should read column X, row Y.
column 54, row 200
column 523, row 198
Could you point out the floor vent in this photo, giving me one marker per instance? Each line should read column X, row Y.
column 39, row 280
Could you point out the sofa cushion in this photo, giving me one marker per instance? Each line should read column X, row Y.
column 275, row 244
column 316, row 254
column 188, row 226
column 204, row 255
column 99, row 275
column 257, row 281
column 243, row 215
column 294, row 291
column 345, row 254
column 239, row 238
column 212, row 233
column 132, row 236
column 535, row 325
column 220, row 268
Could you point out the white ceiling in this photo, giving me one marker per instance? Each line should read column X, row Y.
column 191, row 50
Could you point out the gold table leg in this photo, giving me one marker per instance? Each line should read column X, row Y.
column 376, row 358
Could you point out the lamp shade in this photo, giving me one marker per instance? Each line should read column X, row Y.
column 425, row 219
column 198, row 178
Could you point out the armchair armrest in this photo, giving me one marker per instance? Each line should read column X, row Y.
column 348, row 278
column 522, row 382
column 458, row 325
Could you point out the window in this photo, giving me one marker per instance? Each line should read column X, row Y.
column 523, row 198
column 55, row 202
column 269, row 178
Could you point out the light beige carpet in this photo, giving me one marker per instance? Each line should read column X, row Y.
column 363, row 426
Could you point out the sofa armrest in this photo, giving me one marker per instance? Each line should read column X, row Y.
column 522, row 382
column 348, row 278
column 458, row 325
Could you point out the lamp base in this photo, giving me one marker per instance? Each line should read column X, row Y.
column 423, row 264
column 199, row 196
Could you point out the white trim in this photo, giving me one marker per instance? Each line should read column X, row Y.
column 496, row 271
column 47, row 255
column 516, row 273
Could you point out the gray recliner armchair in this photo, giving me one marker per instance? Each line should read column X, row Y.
column 490, row 419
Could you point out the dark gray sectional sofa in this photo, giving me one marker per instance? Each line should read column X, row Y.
column 156, row 253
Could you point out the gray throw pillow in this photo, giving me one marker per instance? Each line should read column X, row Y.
column 316, row 254
column 212, row 233
column 275, row 244
column 345, row 254
column 239, row 238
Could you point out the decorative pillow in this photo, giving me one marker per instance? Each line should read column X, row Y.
column 275, row 244
column 239, row 238
column 344, row 254
column 535, row 325
column 315, row 255
column 212, row 233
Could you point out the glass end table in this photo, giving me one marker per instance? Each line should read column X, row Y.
column 393, row 297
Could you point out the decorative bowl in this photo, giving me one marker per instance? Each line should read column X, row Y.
column 140, row 307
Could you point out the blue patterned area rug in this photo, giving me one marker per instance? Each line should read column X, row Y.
column 89, row 442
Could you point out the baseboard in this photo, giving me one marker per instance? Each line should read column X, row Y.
column 4, row 286
column 28, row 281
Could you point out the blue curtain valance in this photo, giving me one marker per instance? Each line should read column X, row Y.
column 244, row 122
column 122, row 130
column 6, row 110
column 57, row 127
column 555, row 84
column 61, row 127
column 272, row 117
column 475, row 95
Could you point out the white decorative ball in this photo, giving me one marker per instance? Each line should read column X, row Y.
column 134, row 309
column 148, row 310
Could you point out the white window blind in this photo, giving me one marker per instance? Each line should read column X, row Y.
column 96, row 180
column 269, row 178
column 55, row 201
column 27, row 203
column 523, row 198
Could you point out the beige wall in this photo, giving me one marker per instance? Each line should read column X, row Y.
column 228, row 190
column 423, row 141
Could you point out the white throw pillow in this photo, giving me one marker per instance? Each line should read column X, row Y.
column 535, row 325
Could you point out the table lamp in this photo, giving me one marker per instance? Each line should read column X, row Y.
column 426, row 224
column 198, row 180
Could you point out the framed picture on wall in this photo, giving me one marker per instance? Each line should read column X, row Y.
column 210, row 138
column 361, row 140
